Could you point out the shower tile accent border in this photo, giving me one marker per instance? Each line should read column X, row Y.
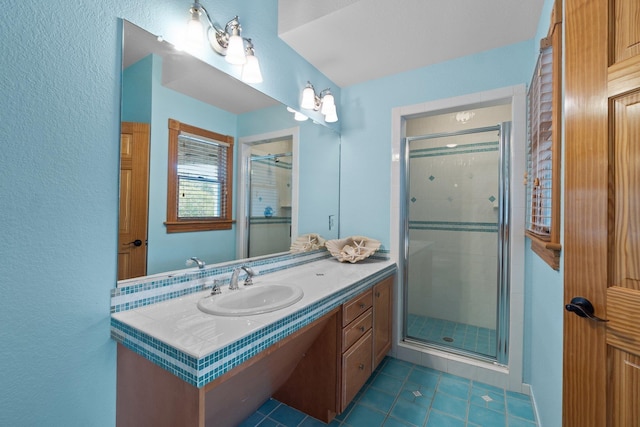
column 483, row 227
column 200, row 371
column 255, row 220
column 479, row 147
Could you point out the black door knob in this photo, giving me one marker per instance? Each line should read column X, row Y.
column 136, row 242
column 583, row 308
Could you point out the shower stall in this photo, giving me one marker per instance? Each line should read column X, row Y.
column 269, row 221
column 456, row 237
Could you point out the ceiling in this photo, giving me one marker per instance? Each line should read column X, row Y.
column 352, row 41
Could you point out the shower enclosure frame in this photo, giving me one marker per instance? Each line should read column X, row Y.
column 244, row 153
column 249, row 192
column 502, row 303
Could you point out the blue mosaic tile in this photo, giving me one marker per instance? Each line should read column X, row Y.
column 287, row 416
column 450, row 405
column 377, row 399
column 486, row 417
column 387, row 383
column 437, row 419
column 199, row 372
column 520, row 407
column 409, row 412
column 365, row 416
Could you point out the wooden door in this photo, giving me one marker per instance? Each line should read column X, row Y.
column 601, row 381
column 134, row 188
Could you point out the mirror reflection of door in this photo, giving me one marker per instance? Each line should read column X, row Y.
column 270, row 197
column 134, row 178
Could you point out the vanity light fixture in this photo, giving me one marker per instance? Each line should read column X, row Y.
column 297, row 115
column 227, row 41
column 324, row 102
column 251, row 70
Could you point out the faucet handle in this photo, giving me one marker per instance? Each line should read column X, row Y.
column 215, row 289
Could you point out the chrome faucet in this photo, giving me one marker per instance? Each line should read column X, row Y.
column 233, row 285
column 197, row 261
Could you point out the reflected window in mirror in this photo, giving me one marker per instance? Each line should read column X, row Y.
column 199, row 179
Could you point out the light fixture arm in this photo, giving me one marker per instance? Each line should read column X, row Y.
column 220, row 39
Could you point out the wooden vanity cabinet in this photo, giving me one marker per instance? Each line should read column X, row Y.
column 382, row 315
column 357, row 343
column 317, row 369
column 366, row 338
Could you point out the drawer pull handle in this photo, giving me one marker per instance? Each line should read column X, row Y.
column 361, row 328
column 378, row 294
column 362, row 305
column 361, row 366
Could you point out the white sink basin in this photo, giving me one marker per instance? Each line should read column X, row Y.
column 255, row 299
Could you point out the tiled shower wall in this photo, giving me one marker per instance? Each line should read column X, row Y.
column 453, row 219
column 271, row 189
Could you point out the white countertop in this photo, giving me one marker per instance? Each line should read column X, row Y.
column 180, row 324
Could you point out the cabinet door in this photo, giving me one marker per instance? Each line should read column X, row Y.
column 356, row 368
column 382, row 319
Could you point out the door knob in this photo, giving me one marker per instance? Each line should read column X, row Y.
column 136, row 242
column 583, row 308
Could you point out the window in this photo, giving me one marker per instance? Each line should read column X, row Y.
column 543, row 148
column 199, row 179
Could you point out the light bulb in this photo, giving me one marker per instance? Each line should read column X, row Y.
column 332, row 115
column 235, row 51
column 299, row 117
column 327, row 103
column 195, row 31
column 308, row 98
column 251, row 70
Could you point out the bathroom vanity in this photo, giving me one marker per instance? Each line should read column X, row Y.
column 314, row 355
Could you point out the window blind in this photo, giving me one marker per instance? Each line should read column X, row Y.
column 201, row 172
column 540, row 153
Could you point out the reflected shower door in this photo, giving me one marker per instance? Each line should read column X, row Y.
column 457, row 293
column 269, row 204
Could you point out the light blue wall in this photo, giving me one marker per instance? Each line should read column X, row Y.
column 60, row 114
column 137, row 89
column 366, row 125
column 543, row 334
column 319, row 165
column 366, row 151
column 167, row 251
column 544, row 309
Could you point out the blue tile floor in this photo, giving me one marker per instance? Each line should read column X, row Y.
column 452, row 334
column 403, row 394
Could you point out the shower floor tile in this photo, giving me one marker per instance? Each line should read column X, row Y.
column 404, row 394
column 452, row 334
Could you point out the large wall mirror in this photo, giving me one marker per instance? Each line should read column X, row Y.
column 294, row 165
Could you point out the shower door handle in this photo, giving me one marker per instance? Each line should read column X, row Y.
column 583, row 308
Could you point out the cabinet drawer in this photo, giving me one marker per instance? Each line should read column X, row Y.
column 356, row 307
column 356, row 329
column 356, row 368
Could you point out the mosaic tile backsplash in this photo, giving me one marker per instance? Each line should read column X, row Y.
column 198, row 371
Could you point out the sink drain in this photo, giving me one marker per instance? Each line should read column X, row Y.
column 447, row 339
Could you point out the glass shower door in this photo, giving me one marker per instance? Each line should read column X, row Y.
column 269, row 222
column 456, row 290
